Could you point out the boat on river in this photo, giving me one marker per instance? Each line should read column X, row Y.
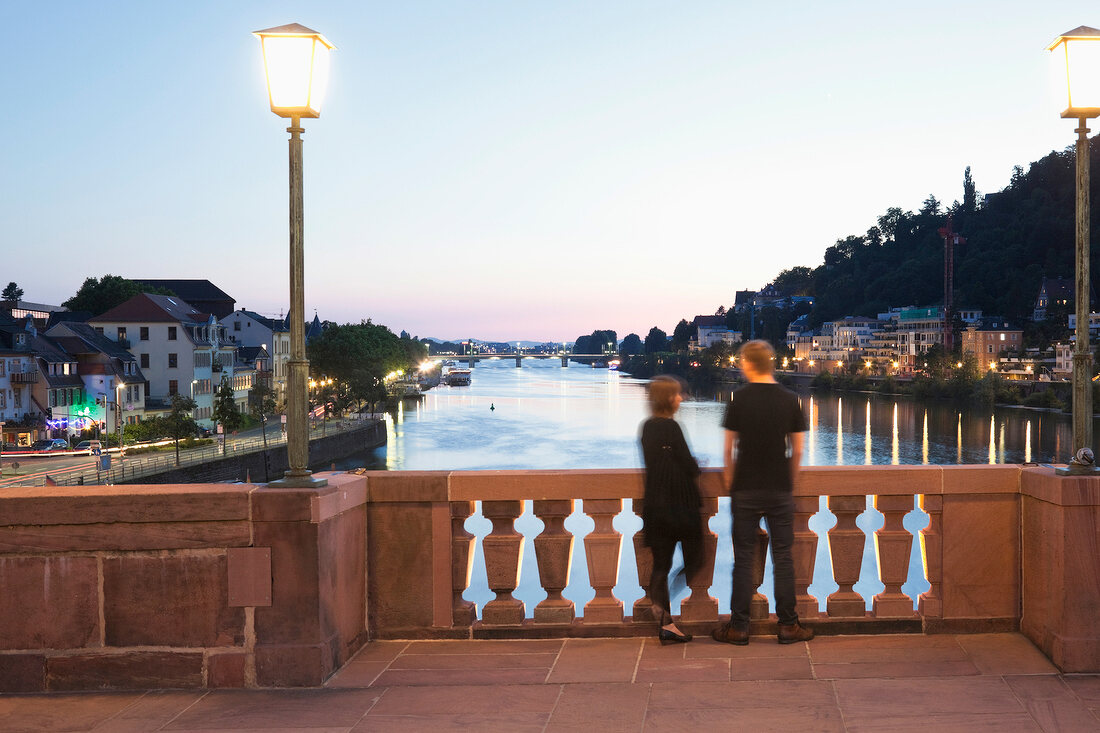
column 458, row 377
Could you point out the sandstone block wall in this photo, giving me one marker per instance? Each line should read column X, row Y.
column 180, row 586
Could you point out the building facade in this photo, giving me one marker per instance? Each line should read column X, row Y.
column 179, row 349
column 248, row 328
column 990, row 339
column 918, row 330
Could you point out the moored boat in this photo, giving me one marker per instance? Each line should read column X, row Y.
column 458, row 377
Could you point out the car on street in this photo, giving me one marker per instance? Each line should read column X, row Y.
column 50, row 444
column 87, row 446
column 10, row 447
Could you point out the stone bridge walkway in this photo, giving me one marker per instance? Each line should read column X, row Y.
column 993, row 682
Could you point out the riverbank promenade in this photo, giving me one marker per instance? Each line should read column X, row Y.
column 903, row 682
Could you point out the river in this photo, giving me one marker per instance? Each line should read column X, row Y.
column 541, row 416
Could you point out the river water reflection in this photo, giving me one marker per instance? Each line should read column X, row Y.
column 542, row 416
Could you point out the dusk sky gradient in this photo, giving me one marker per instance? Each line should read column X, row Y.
column 507, row 170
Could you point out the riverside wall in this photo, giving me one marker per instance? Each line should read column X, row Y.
column 270, row 464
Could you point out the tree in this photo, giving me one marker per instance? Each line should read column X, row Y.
column 656, row 341
column 12, row 292
column 632, row 345
column 682, row 335
column 795, row 281
column 970, row 195
column 361, row 355
column 415, row 351
column 225, row 410
column 179, row 422
column 931, row 206
column 604, row 341
column 98, row 296
column 596, row 342
column 261, row 403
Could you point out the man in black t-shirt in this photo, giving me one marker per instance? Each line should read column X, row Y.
column 764, row 425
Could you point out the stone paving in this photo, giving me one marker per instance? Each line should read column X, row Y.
column 990, row 682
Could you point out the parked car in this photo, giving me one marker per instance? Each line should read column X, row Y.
column 10, row 447
column 87, row 446
column 51, row 444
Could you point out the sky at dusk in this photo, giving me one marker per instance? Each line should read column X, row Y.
column 507, row 170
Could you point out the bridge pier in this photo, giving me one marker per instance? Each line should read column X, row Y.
column 564, row 361
column 471, row 361
column 519, row 361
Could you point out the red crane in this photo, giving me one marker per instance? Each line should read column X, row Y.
column 950, row 239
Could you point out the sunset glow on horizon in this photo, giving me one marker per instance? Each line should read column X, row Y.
column 508, row 171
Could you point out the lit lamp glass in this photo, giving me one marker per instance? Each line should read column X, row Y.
column 1077, row 56
column 296, row 61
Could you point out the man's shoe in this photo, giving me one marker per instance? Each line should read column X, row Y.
column 729, row 635
column 794, row 633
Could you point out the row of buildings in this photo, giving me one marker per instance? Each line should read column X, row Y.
column 64, row 373
column 897, row 342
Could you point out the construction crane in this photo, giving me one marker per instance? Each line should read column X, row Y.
column 951, row 239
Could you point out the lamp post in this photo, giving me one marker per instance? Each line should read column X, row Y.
column 296, row 62
column 1078, row 53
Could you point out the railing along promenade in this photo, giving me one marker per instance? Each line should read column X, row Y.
column 243, row 585
column 134, row 466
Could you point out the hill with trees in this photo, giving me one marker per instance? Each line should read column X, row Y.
column 1014, row 238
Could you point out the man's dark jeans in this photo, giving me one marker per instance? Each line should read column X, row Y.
column 777, row 508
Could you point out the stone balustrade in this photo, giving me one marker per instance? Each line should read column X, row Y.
column 976, row 587
column 241, row 585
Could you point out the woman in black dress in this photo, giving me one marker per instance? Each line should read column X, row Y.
column 670, row 512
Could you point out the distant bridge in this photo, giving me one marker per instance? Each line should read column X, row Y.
column 472, row 359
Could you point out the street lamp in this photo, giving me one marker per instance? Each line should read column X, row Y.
column 1078, row 54
column 296, row 61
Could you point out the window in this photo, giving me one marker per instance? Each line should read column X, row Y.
column 1002, row 337
column 173, row 387
column 121, row 333
column 989, row 349
column 53, row 398
column 99, row 330
column 171, row 333
column 172, row 359
column 2, row 363
column 18, row 393
column 143, row 334
column 144, row 361
column 236, row 325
